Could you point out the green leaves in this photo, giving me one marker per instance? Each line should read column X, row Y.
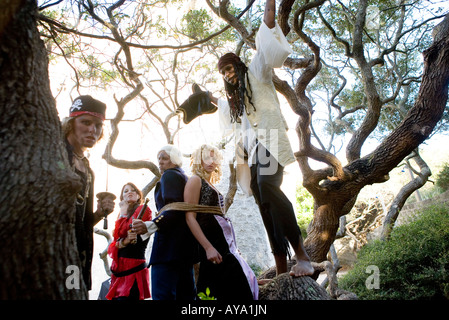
column 205, row 296
column 195, row 24
column 413, row 264
column 304, row 209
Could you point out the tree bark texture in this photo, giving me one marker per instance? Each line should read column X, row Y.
column 335, row 189
column 286, row 287
column 37, row 186
column 335, row 197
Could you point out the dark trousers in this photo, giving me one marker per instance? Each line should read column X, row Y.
column 276, row 209
column 173, row 281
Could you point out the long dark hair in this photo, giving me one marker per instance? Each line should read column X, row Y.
column 236, row 93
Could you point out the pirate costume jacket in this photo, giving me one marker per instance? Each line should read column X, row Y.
column 84, row 218
column 265, row 124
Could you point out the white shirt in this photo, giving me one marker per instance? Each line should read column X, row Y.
column 272, row 50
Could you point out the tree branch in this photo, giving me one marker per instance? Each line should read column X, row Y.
column 373, row 99
column 404, row 194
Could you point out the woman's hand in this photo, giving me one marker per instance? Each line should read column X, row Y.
column 132, row 236
column 123, row 207
column 213, row 255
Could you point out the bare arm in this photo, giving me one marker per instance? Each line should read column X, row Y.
column 270, row 13
column 192, row 195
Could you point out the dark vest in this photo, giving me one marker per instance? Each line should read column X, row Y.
column 84, row 218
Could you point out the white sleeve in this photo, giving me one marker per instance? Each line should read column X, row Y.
column 151, row 227
column 272, row 50
column 224, row 118
column 273, row 45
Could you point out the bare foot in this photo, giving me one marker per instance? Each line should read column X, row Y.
column 302, row 268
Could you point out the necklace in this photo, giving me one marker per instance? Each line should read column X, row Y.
column 78, row 157
column 80, row 163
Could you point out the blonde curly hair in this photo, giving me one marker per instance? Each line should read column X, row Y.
column 203, row 154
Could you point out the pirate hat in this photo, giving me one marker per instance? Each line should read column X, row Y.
column 196, row 104
column 88, row 105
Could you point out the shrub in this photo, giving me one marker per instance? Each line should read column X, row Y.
column 413, row 263
column 304, row 209
column 442, row 179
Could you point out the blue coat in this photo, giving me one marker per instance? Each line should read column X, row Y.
column 173, row 241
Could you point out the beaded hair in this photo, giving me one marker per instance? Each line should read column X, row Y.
column 236, row 93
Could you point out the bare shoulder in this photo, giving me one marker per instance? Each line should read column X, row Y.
column 194, row 182
column 192, row 190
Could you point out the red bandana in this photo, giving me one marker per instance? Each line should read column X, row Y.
column 228, row 58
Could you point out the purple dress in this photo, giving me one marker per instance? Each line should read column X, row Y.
column 233, row 278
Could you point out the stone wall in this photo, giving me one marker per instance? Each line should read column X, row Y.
column 250, row 234
column 408, row 211
column 346, row 247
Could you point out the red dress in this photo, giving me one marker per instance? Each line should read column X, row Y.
column 123, row 260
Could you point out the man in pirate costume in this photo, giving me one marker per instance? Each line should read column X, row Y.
column 252, row 110
column 82, row 129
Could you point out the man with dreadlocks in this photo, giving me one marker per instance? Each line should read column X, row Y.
column 252, row 105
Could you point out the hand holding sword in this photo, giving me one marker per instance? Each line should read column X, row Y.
column 139, row 217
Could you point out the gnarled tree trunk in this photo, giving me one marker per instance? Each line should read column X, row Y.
column 37, row 186
column 334, row 197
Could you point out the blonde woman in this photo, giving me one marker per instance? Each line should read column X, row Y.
column 222, row 269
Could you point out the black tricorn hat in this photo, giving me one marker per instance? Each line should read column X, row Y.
column 196, row 104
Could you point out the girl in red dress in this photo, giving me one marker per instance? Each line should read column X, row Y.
column 130, row 276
